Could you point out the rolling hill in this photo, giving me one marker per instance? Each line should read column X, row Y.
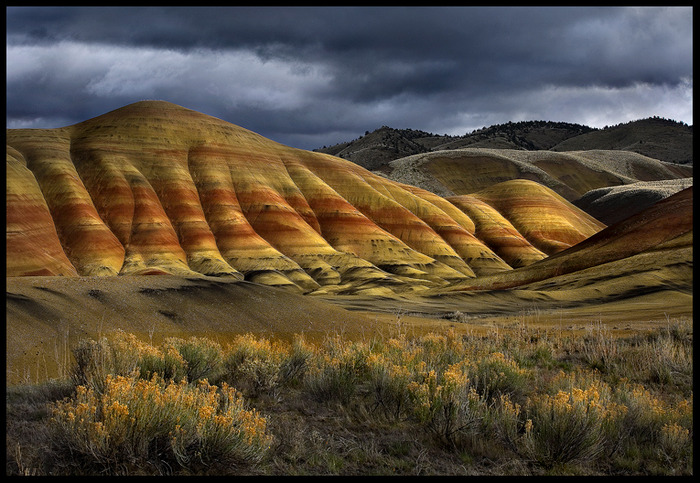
column 657, row 138
column 651, row 250
column 154, row 188
column 569, row 174
column 615, row 203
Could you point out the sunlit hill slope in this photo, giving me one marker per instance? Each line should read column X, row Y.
column 155, row 188
column 649, row 251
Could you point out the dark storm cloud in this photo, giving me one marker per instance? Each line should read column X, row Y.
column 309, row 76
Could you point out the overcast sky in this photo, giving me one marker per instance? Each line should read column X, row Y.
column 315, row 76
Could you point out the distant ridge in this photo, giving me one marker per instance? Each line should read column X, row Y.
column 658, row 138
column 570, row 174
column 615, row 203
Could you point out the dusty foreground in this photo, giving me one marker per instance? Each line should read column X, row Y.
column 46, row 316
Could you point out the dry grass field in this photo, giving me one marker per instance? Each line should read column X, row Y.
column 483, row 384
column 47, row 316
column 186, row 297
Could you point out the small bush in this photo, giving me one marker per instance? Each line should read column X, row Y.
column 136, row 422
column 202, row 357
column 439, row 351
column 675, row 442
column 569, row 426
column 93, row 362
column 669, row 359
column 496, row 374
column 647, row 415
column 392, row 365
column 331, row 379
column 295, row 363
column 122, row 355
column 253, row 365
column 336, row 370
column 445, row 403
column 389, row 385
column 599, row 347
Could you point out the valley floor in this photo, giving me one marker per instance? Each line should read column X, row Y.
column 47, row 316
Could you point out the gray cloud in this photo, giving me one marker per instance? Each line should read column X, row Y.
column 311, row 76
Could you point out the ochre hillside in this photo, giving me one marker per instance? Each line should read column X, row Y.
column 650, row 249
column 155, row 188
column 546, row 220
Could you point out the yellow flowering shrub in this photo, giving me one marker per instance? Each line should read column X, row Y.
column 135, row 421
column 254, row 364
column 445, row 402
column 497, row 374
column 674, row 441
column 332, row 376
column 202, row 356
column 648, row 414
column 473, row 395
column 391, row 368
column 296, row 360
column 571, row 425
column 438, row 350
column 122, row 354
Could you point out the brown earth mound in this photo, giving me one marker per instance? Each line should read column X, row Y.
column 47, row 316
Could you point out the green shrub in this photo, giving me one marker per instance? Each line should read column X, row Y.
column 202, row 356
column 296, row 361
column 122, row 355
column 496, row 374
column 445, row 403
column 568, row 426
column 389, row 385
column 599, row 347
column 336, row 370
column 254, row 365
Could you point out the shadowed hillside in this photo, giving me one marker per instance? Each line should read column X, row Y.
column 154, row 188
column 374, row 150
column 570, row 174
column 615, row 203
column 657, row 138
